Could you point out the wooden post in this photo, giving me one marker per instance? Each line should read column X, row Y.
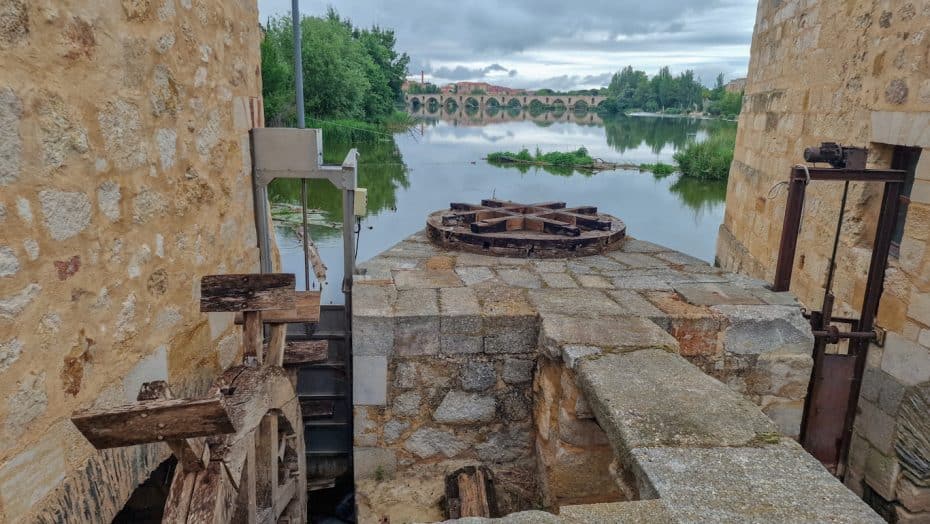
column 266, row 461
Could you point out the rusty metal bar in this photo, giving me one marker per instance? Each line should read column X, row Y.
column 789, row 233
column 873, row 293
column 827, row 174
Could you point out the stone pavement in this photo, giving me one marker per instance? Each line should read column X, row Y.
column 639, row 374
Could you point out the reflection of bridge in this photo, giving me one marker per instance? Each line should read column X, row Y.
column 461, row 116
column 576, row 102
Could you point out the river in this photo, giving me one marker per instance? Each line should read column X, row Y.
column 410, row 174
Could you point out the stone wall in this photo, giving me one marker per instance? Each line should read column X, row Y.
column 855, row 73
column 124, row 178
column 461, row 358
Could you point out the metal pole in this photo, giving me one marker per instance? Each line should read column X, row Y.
column 789, row 233
column 301, row 123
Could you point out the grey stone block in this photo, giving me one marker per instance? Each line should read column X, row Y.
column 417, row 303
column 518, row 371
column 882, row 472
column 406, row 404
column 558, row 280
column 680, row 259
column 405, row 375
column 506, row 446
column 622, row 333
column 775, row 483
column 458, row 301
column 626, row 512
column 514, row 405
column 477, row 376
column 876, row 426
column 633, row 245
column 393, row 430
column 762, row 329
column 427, row 442
column 580, row 302
column 460, row 324
column 654, row 398
column 511, row 342
column 572, row 355
column 372, row 335
column 594, row 281
column 580, row 433
column 426, row 278
column 715, row 294
column 905, row 360
column 416, row 336
column 521, row 277
column 475, row 275
column 632, row 303
column 369, row 300
column 369, row 387
column 459, row 407
column 374, row 462
column 637, row 260
column 642, row 282
column 549, row 266
column 456, row 344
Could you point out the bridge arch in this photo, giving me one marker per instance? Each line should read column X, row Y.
column 579, row 105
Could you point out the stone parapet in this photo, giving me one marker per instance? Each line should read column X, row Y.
column 579, row 382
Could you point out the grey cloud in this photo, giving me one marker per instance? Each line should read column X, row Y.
column 465, row 73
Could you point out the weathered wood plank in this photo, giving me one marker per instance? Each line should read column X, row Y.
column 266, row 461
column 317, row 408
column 246, row 501
column 470, row 493
column 252, row 336
column 276, row 343
column 305, row 352
column 193, row 454
column 179, row 497
column 307, row 309
column 247, row 292
column 153, row 421
column 286, row 496
column 214, row 498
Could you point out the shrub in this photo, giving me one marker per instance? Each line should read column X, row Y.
column 658, row 169
column 709, row 159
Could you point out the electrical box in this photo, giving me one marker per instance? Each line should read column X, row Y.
column 361, row 201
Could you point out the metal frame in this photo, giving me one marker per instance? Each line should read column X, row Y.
column 828, row 386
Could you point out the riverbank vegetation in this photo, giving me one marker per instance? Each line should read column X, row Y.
column 578, row 158
column 350, row 74
column 708, row 159
column 633, row 90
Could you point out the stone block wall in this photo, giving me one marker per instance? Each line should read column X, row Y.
column 124, row 178
column 854, row 73
column 461, row 358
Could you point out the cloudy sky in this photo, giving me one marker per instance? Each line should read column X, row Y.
column 560, row 44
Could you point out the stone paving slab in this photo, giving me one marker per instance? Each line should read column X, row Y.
column 768, row 484
column 652, row 398
column 606, row 332
column 573, row 302
column 711, row 294
column 628, row 512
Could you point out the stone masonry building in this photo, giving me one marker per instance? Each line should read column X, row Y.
column 124, row 178
column 855, row 73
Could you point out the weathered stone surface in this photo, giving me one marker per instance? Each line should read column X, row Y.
column 906, row 361
column 517, row 371
column 576, row 302
column 762, row 329
column 420, row 278
column 374, row 462
column 637, row 260
column 594, row 281
column 66, row 213
column 558, row 280
column 121, row 124
column 775, row 483
column 477, row 376
column 633, row 304
column 514, row 405
column 372, row 335
column 505, row 446
column 521, row 277
column 456, row 344
column 511, row 341
column 427, row 442
column 393, row 430
column 653, row 398
column 572, row 355
column 405, row 375
column 474, row 275
column 406, row 404
column 416, row 336
column 12, row 305
column 615, row 332
column 9, row 264
column 715, row 294
column 459, row 407
column 28, row 403
column 60, row 134
column 915, row 499
column 108, row 199
column 369, row 387
column 29, row 476
column 9, row 353
column 11, row 143
column 882, row 472
column 417, row 303
column 628, row 512
column 634, row 245
column 581, row 433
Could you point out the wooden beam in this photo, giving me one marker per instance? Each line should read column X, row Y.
column 307, row 309
column 249, row 292
column 252, row 336
column 153, row 421
column 305, row 352
column 193, row 453
column 276, row 344
column 266, row 461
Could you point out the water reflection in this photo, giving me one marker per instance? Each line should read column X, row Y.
column 411, row 174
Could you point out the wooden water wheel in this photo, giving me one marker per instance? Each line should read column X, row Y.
column 240, row 449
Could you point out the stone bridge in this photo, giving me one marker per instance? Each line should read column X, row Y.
column 571, row 101
column 460, row 116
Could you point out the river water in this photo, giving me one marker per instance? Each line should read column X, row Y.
column 410, row 174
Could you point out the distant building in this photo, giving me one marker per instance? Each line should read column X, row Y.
column 737, row 85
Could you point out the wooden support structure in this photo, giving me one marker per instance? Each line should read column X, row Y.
column 470, row 493
column 241, row 446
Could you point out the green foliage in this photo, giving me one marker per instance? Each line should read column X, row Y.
column 727, row 105
column 478, row 91
column 708, row 159
column 416, row 88
column 349, row 73
column 659, row 169
column 630, row 90
column 577, row 158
